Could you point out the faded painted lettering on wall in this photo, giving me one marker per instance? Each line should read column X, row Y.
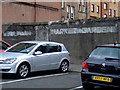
column 104, row 29
column 17, row 33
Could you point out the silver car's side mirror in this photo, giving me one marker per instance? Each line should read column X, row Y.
column 38, row 53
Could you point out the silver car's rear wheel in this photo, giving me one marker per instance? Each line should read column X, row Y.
column 23, row 70
column 64, row 66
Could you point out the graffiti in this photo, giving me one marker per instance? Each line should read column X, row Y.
column 17, row 33
column 105, row 29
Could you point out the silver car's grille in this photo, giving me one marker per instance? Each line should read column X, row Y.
column 1, row 61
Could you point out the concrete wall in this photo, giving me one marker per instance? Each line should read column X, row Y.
column 79, row 37
column 13, row 33
column 16, row 32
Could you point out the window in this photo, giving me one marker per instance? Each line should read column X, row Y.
column 83, row 2
column 54, row 48
column 62, row 4
column 105, row 15
column 114, row 1
column 83, row 8
column 42, row 48
column 68, row 12
column 110, row 0
column 114, row 13
column 92, row 7
column 110, row 12
column 22, row 48
column 102, row 52
column 105, row 6
column 97, row 9
column 72, row 12
column 80, row 5
column 62, row 18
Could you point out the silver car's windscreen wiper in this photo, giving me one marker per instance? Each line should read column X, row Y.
column 110, row 58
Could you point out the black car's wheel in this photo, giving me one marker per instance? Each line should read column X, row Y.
column 88, row 86
column 23, row 70
column 64, row 66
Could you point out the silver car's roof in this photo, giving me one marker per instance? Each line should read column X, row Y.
column 41, row 42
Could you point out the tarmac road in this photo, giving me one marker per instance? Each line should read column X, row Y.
column 45, row 80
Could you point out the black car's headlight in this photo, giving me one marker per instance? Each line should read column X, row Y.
column 9, row 61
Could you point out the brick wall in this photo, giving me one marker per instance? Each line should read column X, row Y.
column 25, row 12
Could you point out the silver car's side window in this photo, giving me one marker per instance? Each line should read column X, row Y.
column 42, row 48
column 54, row 48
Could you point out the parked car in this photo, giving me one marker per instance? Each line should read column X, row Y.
column 102, row 67
column 30, row 56
column 4, row 45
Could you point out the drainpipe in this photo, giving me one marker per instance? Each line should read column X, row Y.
column 101, row 9
column 35, row 12
column 86, row 10
column 36, row 28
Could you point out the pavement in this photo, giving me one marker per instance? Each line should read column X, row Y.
column 75, row 67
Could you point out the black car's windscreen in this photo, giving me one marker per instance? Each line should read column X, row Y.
column 105, row 52
column 22, row 47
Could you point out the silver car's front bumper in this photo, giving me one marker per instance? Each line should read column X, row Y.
column 7, row 68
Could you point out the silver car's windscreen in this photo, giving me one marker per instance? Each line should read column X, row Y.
column 105, row 52
column 22, row 48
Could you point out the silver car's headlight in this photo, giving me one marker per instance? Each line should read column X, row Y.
column 9, row 61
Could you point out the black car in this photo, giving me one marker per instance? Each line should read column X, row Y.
column 102, row 67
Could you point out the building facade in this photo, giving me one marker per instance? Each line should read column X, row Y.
column 29, row 12
column 74, row 10
column 114, row 8
column 95, row 9
column 109, row 8
column 22, row 12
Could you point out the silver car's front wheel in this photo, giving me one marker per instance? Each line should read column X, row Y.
column 23, row 70
column 64, row 66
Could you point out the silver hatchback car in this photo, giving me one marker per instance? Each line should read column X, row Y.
column 30, row 56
